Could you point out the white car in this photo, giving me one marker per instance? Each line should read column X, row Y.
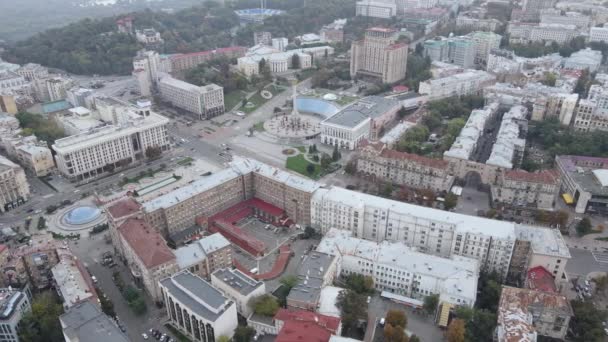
column 239, row 113
column 145, row 336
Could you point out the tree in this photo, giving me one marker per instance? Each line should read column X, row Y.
column 223, row 338
column 153, row 152
column 550, row 79
column 480, row 324
column 414, row 338
column 243, row 334
column 394, row 334
column 310, row 168
column 325, row 161
column 41, row 324
column 309, row 232
column 586, row 324
column 584, row 226
column 456, row 330
column 295, row 61
column 430, row 303
column 353, row 307
column 451, row 201
column 402, row 112
column 265, row 305
column 351, row 167
column 396, row 318
column 289, row 281
column 335, row 155
column 489, row 289
column 601, row 284
column 387, row 190
column 359, row 283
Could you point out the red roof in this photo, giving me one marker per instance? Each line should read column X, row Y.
column 147, row 243
column 400, row 89
column 540, row 279
column 331, row 324
column 3, row 248
column 294, row 331
column 124, row 207
column 545, row 176
column 266, row 207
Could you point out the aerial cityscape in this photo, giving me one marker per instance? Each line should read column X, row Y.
column 304, row 170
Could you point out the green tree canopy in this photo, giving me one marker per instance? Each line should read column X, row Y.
column 41, row 324
column 265, row 305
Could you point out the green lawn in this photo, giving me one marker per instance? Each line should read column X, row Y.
column 299, row 164
column 602, row 239
column 233, row 98
column 259, row 127
column 301, row 149
column 258, row 100
column 344, row 100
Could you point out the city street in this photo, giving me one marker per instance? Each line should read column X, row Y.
column 89, row 251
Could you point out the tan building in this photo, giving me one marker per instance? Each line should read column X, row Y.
column 205, row 256
column 206, row 101
column 8, row 104
column 379, row 55
column 174, row 214
column 521, row 188
column 14, row 188
column 524, row 314
column 379, row 162
column 117, row 213
column 147, row 254
column 187, row 61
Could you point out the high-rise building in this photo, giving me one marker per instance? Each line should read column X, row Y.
column 206, row 101
column 531, row 8
column 15, row 304
column 262, row 38
column 376, row 8
column 379, row 55
column 280, row 43
column 145, row 69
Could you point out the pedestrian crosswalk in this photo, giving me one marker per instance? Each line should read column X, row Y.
column 600, row 256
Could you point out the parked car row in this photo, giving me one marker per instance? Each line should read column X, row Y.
column 157, row 335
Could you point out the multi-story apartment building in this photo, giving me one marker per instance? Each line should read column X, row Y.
column 197, row 309
column 376, row 8
column 262, row 38
column 399, row 269
column 146, row 66
column 432, row 231
column 359, row 121
column 554, row 16
column 456, row 50
column 239, row 287
column 117, row 213
column 205, row 256
column 334, row 32
column 379, row 55
column 524, row 33
column 14, row 188
column 180, row 62
column 525, row 314
column 33, row 71
column 121, row 142
column 469, row 82
column 15, row 304
column 11, row 82
column 28, row 151
column 521, row 188
column 545, row 247
column 85, row 322
column 464, row 21
column 146, row 254
column 508, row 149
column 206, row 101
column 31, row 263
column 466, row 144
column 484, row 43
column 377, row 161
column 598, row 34
column 72, row 281
column 175, row 212
column 280, row 44
column 531, row 9
column 584, row 59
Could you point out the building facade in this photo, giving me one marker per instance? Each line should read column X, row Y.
column 205, row 256
column 520, row 188
column 197, row 309
column 239, row 287
column 379, row 55
column 467, row 83
column 14, row 188
column 377, row 161
column 378, row 219
column 14, row 304
column 206, row 101
column 584, row 182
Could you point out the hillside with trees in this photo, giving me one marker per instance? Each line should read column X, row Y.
column 93, row 46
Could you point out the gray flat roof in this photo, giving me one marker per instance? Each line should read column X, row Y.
column 367, row 107
column 310, row 272
column 85, row 322
column 200, row 296
column 237, row 280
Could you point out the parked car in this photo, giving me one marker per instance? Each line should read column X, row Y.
column 144, row 335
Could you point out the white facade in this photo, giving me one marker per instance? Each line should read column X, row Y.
column 524, row 32
column 124, row 141
column 467, row 83
column 432, row 231
column 206, row 101
column 197, row 309
column 15, row 305
column 584, row 59
column 484, row 43
column 280, row 43
column 146, row 66
column 477, row 24
column 148, row 36
column 399, row 269
column 279, row 62
column 239, row 287
column 376, row 8
column 12, row 82
column 508, row 150
column 32, row 71
column 553, row 16
column 598, row 34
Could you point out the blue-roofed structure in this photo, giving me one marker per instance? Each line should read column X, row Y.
column 311, row 105
column 55, row 106
column 256, row 15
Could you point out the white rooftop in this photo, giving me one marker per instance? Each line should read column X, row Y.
column 544, row 241
column 328, row 300
column 507, row 139
column 458, row 273
column 462, row 223
column 198, row 250
column 396, row 132
column 69, row 278
column 602, row 176
column 466, row 142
